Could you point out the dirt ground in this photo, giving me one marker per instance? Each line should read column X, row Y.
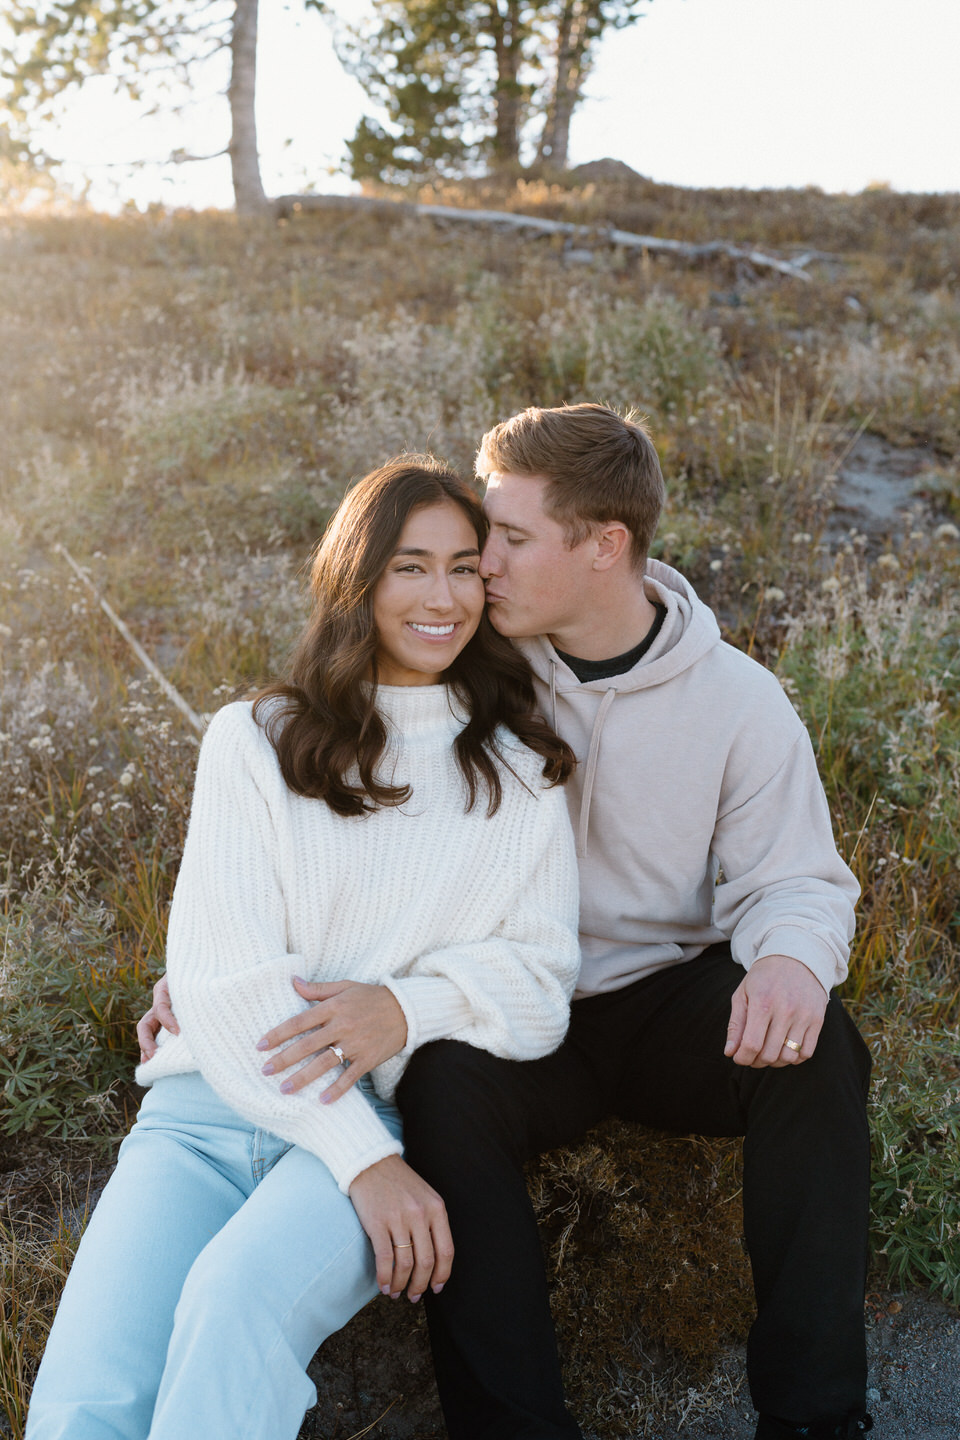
column 377, row 1374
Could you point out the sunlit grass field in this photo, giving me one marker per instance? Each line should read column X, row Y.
column 183, row 401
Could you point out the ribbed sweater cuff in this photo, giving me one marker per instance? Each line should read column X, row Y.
column 433, row 1007
column 809, row 949
column 346, row 1176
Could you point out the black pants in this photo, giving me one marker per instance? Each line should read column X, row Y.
column 653, row 1053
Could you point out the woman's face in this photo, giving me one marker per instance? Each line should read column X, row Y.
column 429, row 600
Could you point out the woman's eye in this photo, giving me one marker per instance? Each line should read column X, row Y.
column 465, row 570
column 514, row 540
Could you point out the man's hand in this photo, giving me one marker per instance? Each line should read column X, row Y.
column 159, row 1017
column 778, row 1000
column 407, row 1224
column 364, row 1021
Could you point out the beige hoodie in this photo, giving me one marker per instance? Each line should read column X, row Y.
column 697, row 806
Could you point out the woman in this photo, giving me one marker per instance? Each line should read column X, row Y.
column 387, row 817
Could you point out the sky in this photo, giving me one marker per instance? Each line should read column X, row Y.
column 841, row 94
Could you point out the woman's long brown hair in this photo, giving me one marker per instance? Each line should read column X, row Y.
column 323, row 720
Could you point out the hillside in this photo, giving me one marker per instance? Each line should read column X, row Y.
column 183, row 400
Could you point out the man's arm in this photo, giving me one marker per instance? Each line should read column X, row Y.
column 786, row 901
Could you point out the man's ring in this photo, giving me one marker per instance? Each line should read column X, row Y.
column 344, row 1061
column 407, row 1246
column 792, row 1045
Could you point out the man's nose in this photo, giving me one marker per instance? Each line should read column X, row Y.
column 489, row 562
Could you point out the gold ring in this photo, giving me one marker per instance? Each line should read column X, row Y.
column 407, row 1246
column 791, row 1045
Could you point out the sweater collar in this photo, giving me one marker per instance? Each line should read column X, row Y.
column 413, row 709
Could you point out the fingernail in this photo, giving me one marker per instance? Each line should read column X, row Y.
column 286, row 1087
column 300, row 980
column 384, row 1289
column 395, row 1294
column 262, row 1045
column 414, row 1299
column 325, row 1099
column 436, row 1289
column 267, row 1069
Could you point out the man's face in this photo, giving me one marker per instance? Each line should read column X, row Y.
column 534, row 579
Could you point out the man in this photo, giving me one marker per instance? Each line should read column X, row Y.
column 716, row 916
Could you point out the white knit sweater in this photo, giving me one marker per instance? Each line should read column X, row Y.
column 470, row 921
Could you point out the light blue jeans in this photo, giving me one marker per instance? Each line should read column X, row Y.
column 217, row 1261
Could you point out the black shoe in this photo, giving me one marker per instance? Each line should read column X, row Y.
column 851, row 1428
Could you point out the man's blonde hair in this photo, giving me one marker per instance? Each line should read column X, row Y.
column 601, row 466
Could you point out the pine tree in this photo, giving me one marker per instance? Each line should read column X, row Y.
column 464, row 85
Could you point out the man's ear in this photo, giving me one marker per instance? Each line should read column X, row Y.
column 612, row 542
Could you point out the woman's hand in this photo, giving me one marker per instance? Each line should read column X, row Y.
column 159, row 1016
column 407, row 1224
column 364, row 1021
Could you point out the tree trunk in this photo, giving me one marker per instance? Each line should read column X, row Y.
column 244, row 156
column 507, row 35
column 572, row 41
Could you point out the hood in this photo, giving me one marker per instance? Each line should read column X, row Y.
column 688, row 632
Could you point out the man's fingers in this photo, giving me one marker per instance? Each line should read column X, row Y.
column 814, row 1026
column 738, row 1020
column 165, row 1016
column 161, row 1007
column 753, row 1034
column 148, row 1027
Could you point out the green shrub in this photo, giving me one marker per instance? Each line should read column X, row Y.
column 69, row 1001
column 915, row 1125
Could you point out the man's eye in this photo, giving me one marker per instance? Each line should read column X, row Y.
column 514, row 540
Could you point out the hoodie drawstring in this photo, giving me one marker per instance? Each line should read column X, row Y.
column 593, row 756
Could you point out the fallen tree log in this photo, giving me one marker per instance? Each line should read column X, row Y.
column 584, row 235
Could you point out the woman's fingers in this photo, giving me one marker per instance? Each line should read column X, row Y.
column 404, row 1263
column 383, row 1253
column 323, row 1065
column 303, row 1049
column 398, row 1208
column 300, row 1024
